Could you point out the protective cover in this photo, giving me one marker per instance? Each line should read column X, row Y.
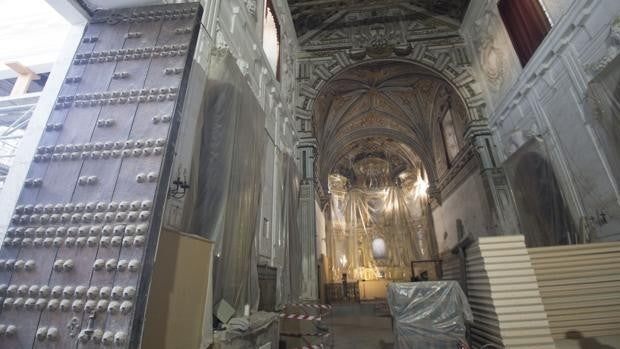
column 429, row 315
column 544, row 215
column 392, row 216
column 226, row 181
column 289, row 239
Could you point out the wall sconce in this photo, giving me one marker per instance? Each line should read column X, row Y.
column 179, row 188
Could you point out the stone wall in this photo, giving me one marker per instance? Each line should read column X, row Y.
column 546, row 99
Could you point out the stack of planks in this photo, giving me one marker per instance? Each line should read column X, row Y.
column 580, row 287
column 451, row 269
column 504, row 295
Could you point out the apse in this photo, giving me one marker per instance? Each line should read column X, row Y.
column 378, row 219
column 387, row 132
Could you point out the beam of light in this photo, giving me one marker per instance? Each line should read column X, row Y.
column 420, row 187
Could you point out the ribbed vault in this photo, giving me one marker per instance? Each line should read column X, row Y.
column 384, row 107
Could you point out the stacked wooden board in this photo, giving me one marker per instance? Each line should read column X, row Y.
column 451, row 269
column 580, row 287
column 504, row 295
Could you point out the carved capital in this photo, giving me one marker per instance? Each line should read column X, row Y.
column 613, row 48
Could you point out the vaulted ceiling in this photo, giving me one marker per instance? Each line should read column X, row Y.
column 384, row 109
column 394, row 155
column 311, row 14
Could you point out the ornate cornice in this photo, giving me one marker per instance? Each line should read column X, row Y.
column 461, row 167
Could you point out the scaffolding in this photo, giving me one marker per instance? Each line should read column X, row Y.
column 15, row 113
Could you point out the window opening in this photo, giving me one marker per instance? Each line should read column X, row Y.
column 271, row 38
column 527, row 24
column 449, row 136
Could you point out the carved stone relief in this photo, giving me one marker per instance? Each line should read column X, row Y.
column 308, row 17
column 613, row 48
column 250, row 5
column 490, row 49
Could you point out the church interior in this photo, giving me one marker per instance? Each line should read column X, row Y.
column 305, row 174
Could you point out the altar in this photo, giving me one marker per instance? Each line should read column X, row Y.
column 373, row 289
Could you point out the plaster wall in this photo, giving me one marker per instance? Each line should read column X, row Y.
column 546, row 99
column 556, row 8
column 467, row 203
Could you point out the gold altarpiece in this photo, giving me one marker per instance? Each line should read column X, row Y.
column 377, row 225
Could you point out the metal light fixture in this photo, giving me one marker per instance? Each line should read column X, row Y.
column 180, row 187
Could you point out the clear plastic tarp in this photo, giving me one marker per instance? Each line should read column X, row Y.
column 429, row 315
column 289, row 242
column 544, row 215
column 226, row 181
column 375, row 227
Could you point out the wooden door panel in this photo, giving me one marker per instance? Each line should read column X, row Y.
column 87, row 221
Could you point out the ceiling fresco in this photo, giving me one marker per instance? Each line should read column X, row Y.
column 392, row 155
column 311, row 14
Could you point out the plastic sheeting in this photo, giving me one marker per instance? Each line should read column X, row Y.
column 289, row 243
column 360, row 216
column 226, row 179
column 429, row 315
column 543, row 214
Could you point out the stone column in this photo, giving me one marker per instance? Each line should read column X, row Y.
column 499, row 195
column 307, row 217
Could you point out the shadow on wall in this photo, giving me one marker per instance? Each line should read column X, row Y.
column 386, row 345
column 587, row 343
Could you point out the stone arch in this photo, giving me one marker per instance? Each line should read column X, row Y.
column 457, row 77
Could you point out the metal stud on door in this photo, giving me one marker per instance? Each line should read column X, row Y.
column 76, row 260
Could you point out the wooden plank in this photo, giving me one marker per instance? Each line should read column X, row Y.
column 575, row 252
column 574, row 259
column 579, row 281
column 24, row 77
column 583, row 310
column 504, row 295
column 571, row 248
column 579, row 285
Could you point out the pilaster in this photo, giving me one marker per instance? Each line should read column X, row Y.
column 499, row 196
column 306, row 149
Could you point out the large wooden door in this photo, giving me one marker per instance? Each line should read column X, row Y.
column 76, row 261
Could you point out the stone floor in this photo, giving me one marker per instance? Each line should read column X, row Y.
column 367, row 326
column 361, row 326
column 607, row 342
